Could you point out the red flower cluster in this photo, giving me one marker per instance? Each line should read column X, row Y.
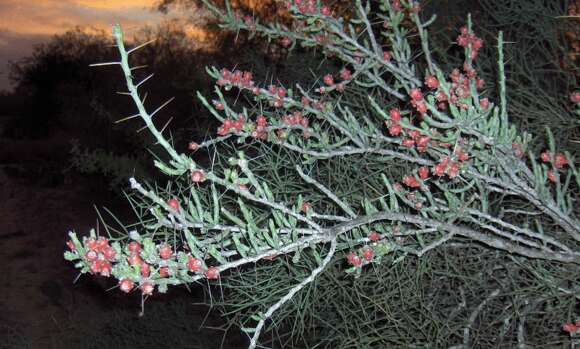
column 99, row 254
column 469, row 39
column 446, row 166
column 417, row 100
column 571, row 327
column 241, row 79
column 259, row 129
column 374, row 236
column 230, row 125
column 415, row 138
column 353, row 259
column 558, row 161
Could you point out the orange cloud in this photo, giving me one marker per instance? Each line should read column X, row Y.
column 57, row 16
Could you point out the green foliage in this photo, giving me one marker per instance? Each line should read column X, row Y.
column 475, row 233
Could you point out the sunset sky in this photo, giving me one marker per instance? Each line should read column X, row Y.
column 24, row 23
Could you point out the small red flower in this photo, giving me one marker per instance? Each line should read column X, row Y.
column 261, row 121
column 192, row 146
column 431, row 82
column 411, row 181
column 197, row 176
column 218, row 105
column 575, row 97
column 354, row 259
column 126, row 285
column 305, row 207
column 193, row 264
column 416, row 94
column 387, row 55
column 571, row 327
column 423, row 172
column 453, row 170
column 165, row 251
column 147, row 288
column 546, row 156
column 212, row 273
column 395, row 130
column 461, row 155
column 286, row 41
column 408, row 142
column 368, row 253
column 345, row 74
column 109, row 253
column 102, row 243
column 145, row 270
column 484, row 103
column 174, row 204
column 134, row 247
column 560, row 160
column 91, row 244
column 423, row 141
column 395, row 114
column 374, row 236
column 328, row 79
column 551, row 176
column 134, row 259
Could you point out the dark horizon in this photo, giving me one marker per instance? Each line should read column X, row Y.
column 26, row 23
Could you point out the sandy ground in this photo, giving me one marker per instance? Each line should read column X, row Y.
column 40, row 305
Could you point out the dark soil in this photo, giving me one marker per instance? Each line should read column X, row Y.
column 42, row 306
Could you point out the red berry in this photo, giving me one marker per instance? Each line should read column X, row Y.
column 261, row 121
column 165, row 251
column 192, row 146
column 134, row 259
column 395, row 114
column 328, row 79
column 374, row 236
column 551, row 176
column 453, row 169
column 368, row 253
column 134, row 247
column 126, row 285
column 212, row 273
column 546, row 156
column 484, row 103
column 408, row 142
column 387, row 55
column 395, row 130
column 354, row 259
column 560, row 160
column 411, row 181
column 147, row 288
column 197, row 176
column 571, row 328
column 91, row 244
column 145, row 270
column 423, row 172
column 109, row 253
column 194, row 264
column 431, row 82
column 174, row 204
column 416, row 94
column 345, row 74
